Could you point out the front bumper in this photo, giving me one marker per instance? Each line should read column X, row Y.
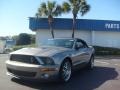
column 30, row 71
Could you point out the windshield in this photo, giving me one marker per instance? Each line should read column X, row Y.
column 67, row 43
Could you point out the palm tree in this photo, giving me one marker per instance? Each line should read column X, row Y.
column 49, row 10
column 76, row 6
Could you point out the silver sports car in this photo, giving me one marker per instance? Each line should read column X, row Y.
column 55, row 58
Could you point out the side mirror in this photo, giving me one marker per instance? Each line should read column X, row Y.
column 77, row 47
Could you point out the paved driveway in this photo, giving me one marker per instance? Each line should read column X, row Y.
column 105, row 76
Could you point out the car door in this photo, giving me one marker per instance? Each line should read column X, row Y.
column 80, row 52
column 86, row 51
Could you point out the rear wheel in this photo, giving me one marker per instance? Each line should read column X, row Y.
column 65, row 71
column 91, row 63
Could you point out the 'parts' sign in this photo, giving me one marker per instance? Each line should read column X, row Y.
column 112, row 26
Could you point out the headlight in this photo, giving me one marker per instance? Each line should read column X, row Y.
column 47, row 60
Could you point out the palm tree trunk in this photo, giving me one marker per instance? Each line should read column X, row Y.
column 73, row 26
column 51, row 29
column 50, row 25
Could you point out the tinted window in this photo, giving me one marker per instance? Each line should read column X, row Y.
column 81, row 43
column 67, row 43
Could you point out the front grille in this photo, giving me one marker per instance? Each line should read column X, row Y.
column 21, row 73
column 24, row 58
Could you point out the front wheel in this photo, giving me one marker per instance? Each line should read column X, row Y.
column 65, row 71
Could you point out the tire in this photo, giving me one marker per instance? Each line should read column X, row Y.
column 90, row 65
column 65, row 71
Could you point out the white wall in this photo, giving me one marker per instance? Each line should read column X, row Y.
column 99, row 38
column 106, row 38
column 45, row 34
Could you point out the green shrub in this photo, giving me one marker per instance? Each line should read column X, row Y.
column 106, row 50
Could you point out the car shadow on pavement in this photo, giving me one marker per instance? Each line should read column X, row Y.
column 81, row 80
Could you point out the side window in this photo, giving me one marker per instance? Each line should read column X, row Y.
column 79, row 45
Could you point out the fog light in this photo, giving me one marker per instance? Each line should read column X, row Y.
column 45, row 75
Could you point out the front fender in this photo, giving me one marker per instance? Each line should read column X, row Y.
column 58, row 58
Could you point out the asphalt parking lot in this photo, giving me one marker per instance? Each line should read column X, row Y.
column 105, row 76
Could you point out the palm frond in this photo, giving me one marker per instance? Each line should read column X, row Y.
column 51, row 6
column 42, row 11
column 85, row 9
column 66, row 7
column 57, row 11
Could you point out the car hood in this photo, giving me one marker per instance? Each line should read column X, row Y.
column 42, row 51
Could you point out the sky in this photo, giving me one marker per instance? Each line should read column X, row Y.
column 14, row 14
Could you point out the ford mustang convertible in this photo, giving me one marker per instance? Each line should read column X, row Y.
column 54, row 59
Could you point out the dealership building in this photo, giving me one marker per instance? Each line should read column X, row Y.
column 95, row 32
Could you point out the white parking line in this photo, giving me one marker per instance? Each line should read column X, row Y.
column 106, row 63
column 103, row 62
column 117, row 64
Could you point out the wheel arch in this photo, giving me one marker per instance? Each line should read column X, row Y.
column 67, row 58
column 92, row 55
